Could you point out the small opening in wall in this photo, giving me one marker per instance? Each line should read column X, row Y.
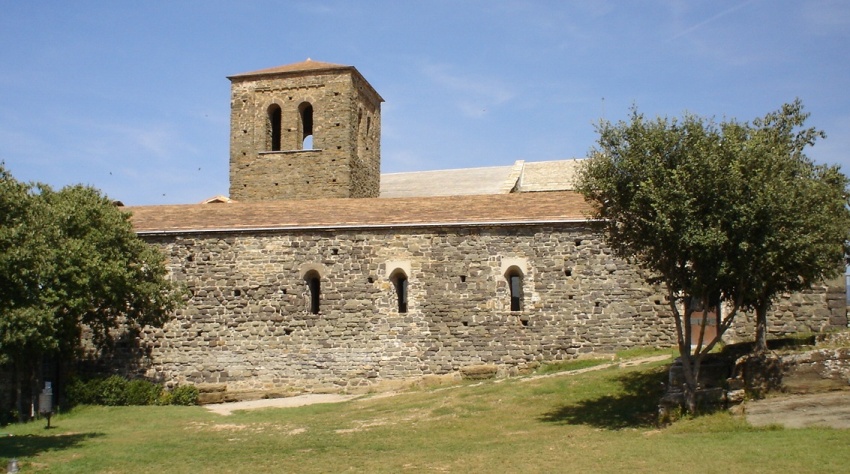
column 314, row 290
column 190, row 257
column 244, row 131
column 237, row 293
column 288, row 331
column 370, row 280
column 578, row 242
column 463, row 278
column 334, row 180
column 338, row 147
column 657, row 301
column 465, row 323
column 524, row 322
column 568, row 272
column 308, row 181
column 283, row 291
column 596, row 304
column 399, row 280
column 275, row 184
column 570, row 297
column 335, row 251
column 336, row 93
column 337, row 124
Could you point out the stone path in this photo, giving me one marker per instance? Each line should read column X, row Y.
column 830, row 409
column 287, row 402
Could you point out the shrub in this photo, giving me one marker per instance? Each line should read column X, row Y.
column 83, row 392
column 113, row 391
column 164, row 398
column 142, row 392
column 184, row 395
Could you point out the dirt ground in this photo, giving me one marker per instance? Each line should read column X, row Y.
column 830, row 409
column 288, row 402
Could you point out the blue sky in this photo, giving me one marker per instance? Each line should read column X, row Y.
column 132, row 97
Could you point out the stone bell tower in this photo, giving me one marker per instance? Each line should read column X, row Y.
column 307, row 130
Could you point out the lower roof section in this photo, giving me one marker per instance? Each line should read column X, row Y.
column 519, row 208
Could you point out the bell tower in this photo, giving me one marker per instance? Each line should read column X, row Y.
column 308, row 130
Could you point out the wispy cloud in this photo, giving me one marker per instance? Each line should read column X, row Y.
column 478, row 93
column 712, row 19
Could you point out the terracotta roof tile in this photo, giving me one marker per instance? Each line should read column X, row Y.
column 385, row 212
column 308, row 65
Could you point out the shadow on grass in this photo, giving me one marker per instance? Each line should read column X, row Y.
column 635, row 405
column 32, row 445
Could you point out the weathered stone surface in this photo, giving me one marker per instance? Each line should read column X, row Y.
column 248, row 322
column 344, row 160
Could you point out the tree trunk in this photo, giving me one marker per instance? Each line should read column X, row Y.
column 19, row 395
column 690, row 364
column 761, row 329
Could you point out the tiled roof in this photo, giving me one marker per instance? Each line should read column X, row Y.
column 342, row 213
column 456, row 182
column 548, row 175
column 522, row 177
column 308, row 65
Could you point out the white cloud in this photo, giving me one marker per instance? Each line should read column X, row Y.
column 477, row 94
column 696, row 26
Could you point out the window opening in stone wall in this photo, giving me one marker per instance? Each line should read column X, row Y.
column 400, row 283
column 514, row 277
column 305, row 112
column 274, row 127
column 314, row 288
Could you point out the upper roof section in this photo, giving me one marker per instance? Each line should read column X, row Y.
column 470, row 181
column 555, row 207
column 308, row 66
column 303, row 66
column 522, row 177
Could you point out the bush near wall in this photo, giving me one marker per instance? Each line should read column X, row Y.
column 118, row 391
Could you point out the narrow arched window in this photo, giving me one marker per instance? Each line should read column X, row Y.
column 305, row 112
column 399, row 280
column 514, row 277
column 315, row 290
column 274, row 127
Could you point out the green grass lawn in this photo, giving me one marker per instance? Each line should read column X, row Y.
column 598, row 421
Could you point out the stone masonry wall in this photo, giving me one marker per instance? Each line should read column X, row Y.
column 345, row 158
column 248, row 322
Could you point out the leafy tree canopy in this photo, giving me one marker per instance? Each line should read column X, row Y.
column 732, row 212
column 70, row 258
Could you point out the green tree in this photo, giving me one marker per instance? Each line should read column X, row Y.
column 730, row 212
column 788, row 219
column 70, row 259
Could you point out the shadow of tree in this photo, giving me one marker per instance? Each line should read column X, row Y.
column 32, row 445
column 636, row 405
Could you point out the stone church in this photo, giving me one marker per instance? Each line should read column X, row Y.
column 318, row 273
